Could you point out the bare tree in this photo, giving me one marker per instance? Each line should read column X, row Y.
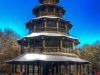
column 9, row 48
column 92, row 54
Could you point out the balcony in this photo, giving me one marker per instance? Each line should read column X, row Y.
column 48, row 50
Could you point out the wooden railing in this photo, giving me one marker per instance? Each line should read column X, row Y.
column 48, row 49
column 50, row 14
column 50, row 29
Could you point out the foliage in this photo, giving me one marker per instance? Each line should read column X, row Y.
column 90, row 53
column 8, row 48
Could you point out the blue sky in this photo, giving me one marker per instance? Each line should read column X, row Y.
column 83, row 14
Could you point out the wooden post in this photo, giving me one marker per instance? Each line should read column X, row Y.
column 66, row 28
column 83, row 69
column 20, row 68
column 61, row 45
column 40, row 12
column 44, row 69
column 57, row 26
column 41, row 69
column 69, row 69
column 80, row 70
column 69, row 47
column 55, row 70
column 54, row 11
column 34, row 27
column 88, row 66
column 45, row 25
column 66, row 69
column 77, row 69
column 73, row 46
column 29, row 46
column 38, row 68
column 27, row 69
column 14, row 69
column 44, row 44
column 59, row 69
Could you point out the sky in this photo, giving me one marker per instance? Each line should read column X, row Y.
column 83, row 14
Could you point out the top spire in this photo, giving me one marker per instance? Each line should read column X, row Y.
column 49, row 1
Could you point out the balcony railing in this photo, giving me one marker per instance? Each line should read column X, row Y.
column 48, row 49
column 51, row 29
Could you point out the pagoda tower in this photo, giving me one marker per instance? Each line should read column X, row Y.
column 48, row 49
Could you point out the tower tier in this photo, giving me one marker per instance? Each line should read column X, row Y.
column 48, row 42
column 49, row 1
column 49, row 10
column 48, row 24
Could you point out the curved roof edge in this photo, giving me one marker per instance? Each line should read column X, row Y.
column 35, row 34
column 33, row 57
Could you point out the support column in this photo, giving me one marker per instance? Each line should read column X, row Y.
column 27, row 69
column 54, row 11
column 21, row 66
column 17, row 69
column 13, row 69
column 33, row 69
column 66, row 69
column 45, row 25
column 77, row 69
column 59, row 70
column 44, row 69
column 35, row 27
column 80, row 70
column 73, row 66
column 73, row 44
column 69, row 47
column 38, row 69
column 66, row 28
column 57, row 26
column 55, row 70
column 40, row 12
column 61, row 45
column 29, row 46
column 83, row 69
column 69, row 69
column 88, row 69
column 41, row 69
column 44, row 44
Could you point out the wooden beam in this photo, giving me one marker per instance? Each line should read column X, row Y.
column 61, row 45
column 44, row 44
column 66, row 28
column 28, row 46
column 57, row 26
column 54, row 11
column 45, row 25
column 59, row 70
